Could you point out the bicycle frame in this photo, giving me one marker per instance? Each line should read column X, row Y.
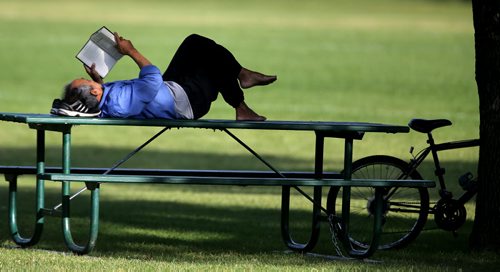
column 439, row 171
column 412, row 206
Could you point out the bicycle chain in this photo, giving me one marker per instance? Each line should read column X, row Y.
column 405, row 202
column 335, row 228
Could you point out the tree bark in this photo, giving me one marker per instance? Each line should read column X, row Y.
column 486, row 230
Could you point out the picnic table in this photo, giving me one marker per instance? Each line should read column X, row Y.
column 94, row 177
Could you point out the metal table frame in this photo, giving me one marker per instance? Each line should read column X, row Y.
column 349, row 131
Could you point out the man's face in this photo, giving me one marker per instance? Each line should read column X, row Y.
column 96, row 87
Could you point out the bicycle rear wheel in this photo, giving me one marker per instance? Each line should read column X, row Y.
column 405, row 209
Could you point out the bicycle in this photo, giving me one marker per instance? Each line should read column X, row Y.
column 406, row 209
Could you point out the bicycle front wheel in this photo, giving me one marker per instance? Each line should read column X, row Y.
column 405, row 209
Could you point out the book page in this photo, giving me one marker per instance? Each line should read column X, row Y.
column 106, row 41
column 100, row 50
column 92, row 54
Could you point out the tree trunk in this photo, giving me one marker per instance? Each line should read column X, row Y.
column 485, row 233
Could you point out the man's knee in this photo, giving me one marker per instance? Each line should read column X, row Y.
column 192, row 38
column 197, row 39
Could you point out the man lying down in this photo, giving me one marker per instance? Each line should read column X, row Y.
column 199, row 70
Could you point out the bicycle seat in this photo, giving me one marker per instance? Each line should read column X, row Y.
column 426, row 126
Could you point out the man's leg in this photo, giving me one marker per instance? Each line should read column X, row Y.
column 205, row 68
column 188, row 69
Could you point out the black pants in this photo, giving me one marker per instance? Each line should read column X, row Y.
column 204, row 68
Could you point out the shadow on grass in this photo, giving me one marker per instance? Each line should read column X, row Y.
column 92, row 156
column 168, row 230
column 162, row 229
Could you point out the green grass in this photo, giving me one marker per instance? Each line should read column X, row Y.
column 386, row 62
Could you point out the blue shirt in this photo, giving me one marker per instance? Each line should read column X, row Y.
column 141, row 98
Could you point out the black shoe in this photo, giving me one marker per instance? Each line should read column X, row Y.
column 77, row 109
column 56, row 104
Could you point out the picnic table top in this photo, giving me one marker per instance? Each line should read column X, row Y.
column 323, row 126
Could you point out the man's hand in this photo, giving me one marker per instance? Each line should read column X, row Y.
column 124, row 46
column 93, row 73
column 127, row 48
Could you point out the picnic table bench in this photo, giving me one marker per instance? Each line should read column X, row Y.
column 93, row 177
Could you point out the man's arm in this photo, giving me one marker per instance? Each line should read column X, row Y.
column 127, row 48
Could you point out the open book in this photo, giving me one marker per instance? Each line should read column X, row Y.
column 100, row 49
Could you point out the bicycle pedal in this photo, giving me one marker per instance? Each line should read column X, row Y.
column 467, row 181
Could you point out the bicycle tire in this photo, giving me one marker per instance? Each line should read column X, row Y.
column 405, row 211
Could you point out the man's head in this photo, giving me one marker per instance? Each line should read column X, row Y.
column 81, row 97
column 87, row 91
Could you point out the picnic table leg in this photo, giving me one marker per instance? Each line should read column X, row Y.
column 376, row 232
column 346, row 203
column 66, row 193
column 40, row 198
column 316, row 212
column 346, row 190
column 285, row 220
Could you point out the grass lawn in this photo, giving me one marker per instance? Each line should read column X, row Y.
column 385, row 62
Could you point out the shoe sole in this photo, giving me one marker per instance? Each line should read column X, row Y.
column 73, row 113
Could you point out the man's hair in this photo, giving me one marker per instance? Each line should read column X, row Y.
column 82, row 93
